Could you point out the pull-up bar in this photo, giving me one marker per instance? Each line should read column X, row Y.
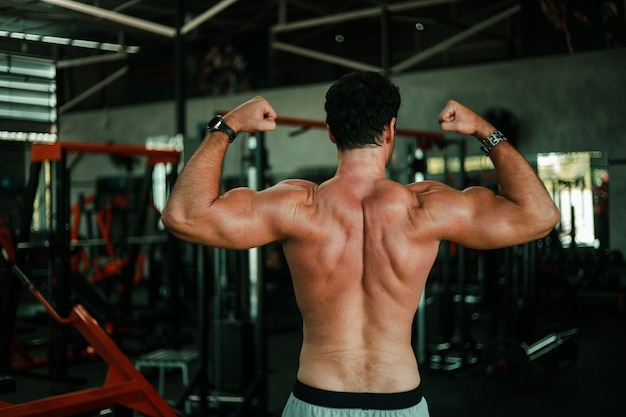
column 41, row 152
column 421, row 135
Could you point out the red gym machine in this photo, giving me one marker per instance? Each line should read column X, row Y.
column 124, row 385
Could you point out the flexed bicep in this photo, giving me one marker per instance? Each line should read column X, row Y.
column 243, row 218
column 476, row 218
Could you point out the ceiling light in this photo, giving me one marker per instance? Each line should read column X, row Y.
column 29, row 86
column 111, row 47
column 43, row 115
column 56, row 40
column 14, row 65
column 79, row 43
column 28, row 136
column 45, row 101
column 84, row 44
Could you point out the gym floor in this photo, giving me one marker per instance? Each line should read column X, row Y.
column 594, row 386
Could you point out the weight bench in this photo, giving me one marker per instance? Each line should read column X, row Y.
column 124, row 385
column 7, row 384
column 164, row 359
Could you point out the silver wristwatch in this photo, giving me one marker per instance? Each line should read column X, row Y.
column 492, row 141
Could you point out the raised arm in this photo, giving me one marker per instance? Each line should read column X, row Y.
column 241, row 218
column 477, row 217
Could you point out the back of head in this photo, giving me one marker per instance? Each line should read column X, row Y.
column 358, row 106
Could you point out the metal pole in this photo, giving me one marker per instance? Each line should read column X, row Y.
column 415, row 176
column 61, row 268
column 320, row 56
column 92, row 90
column 179, row 63
column 115, row 17
column 202, row 331
column 385, row 44
column 256, row 181
column 461, row 265
column 208, row 14
column 219, row 262
column 353, row 15
column 453, row 40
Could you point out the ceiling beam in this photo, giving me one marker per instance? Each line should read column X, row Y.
column 126, row 5
column 93, row 89
column 453, row 40
column 297, row 50
column 208, row 14
column 356, row 14
column 95, row 59
column 126, row 20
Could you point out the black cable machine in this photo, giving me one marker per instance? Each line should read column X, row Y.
column 230, row 375
column 457, row 349
column 252, row 399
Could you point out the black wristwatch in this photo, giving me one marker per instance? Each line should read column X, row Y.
column 218, row 123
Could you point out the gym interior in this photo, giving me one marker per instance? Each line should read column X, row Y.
column 103, row 312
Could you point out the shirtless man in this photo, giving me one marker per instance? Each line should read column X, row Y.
column 359, row 246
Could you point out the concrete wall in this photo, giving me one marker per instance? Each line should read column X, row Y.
column 562, row 103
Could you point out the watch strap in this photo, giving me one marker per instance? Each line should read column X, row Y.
column 492, row 141
column 218, row 124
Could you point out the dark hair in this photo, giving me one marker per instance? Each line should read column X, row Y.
column 358, row 106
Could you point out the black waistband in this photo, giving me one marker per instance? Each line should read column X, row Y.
column 362, row 400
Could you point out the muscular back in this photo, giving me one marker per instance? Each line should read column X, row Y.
column 359, row 262
column 359, row 246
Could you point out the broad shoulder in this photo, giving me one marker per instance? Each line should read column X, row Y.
column 422, row 187
column 443, row 202
column 294, row 191
column 295, row 184
column 434, row 190
column 292, row 206
column 437, row 197
column 294, row 187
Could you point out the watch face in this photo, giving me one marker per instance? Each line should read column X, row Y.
column 496, row 137
column 218, row 123
column 215, row 122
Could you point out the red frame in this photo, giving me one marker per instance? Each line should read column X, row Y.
column 41, row 152
column 425, row 138
column 124, row 385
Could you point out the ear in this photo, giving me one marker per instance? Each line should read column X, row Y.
column 390, row 130
column 330, row 135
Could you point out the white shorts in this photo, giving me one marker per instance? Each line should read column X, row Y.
column 306, row 401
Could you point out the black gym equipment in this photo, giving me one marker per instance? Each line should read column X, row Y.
column 446, row 300
column 232, row 374
column 497, row 310
column 534, row 320
column 124, row 387
column 59, row 247
column 7, row 384
column 508, row 363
